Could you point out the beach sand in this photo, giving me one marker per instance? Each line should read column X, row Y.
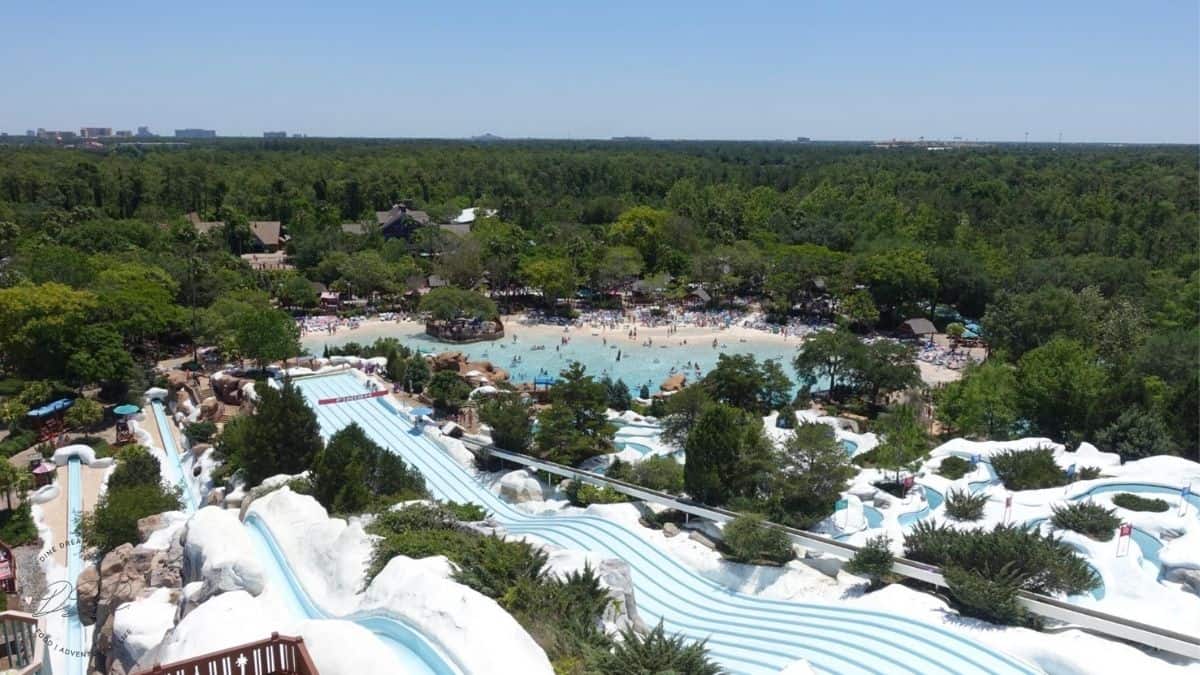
column 735, row 338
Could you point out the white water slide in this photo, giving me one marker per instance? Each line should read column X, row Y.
column 745, row 633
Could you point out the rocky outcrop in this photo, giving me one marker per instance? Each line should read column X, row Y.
column 1189, row 578
column 218, row 555
column 519, row 486
column 614, row 576
column 127, row 574
column 674, row 382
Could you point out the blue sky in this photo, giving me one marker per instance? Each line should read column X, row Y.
column 1095, row 71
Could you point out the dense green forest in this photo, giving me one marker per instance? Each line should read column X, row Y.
column 1080, row 262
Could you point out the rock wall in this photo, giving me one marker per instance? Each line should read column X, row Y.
column 126, row 574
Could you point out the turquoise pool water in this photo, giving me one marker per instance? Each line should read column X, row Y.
column 638, row 365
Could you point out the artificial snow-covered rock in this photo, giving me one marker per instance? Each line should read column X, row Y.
column 85, row 454
column 519, row 486
column 138, row 627
column 329, row 556
column 615, row 577
column 218, row 553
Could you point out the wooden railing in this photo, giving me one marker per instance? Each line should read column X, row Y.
column 277, row 655
column 22, row 647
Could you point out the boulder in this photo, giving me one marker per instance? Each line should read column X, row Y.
column 217, row 552
column 827, row 565
column 149, row 524
column 702, row 539
column 1190, row 578
column 209, row 408
column 614, row 576
column 674, row 382
column 670, row 529
column 519, row 486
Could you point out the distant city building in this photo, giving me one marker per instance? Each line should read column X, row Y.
column 144, row 131
column 56, row 135
column 803, row 139
column 96, row 132
column 124, row 133
column 195, row 133
column 274, row 134
column 631, row 138
column 298, row 136
column 30, row 132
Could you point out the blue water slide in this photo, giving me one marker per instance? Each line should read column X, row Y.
column 744, row 633
column 415, row 654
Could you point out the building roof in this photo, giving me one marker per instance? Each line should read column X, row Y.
column 266, row 231
column 267, row 261
column 700, row 294
column 460, row 229
column 918, row 327
column 203, row 227
column 354, row 228
column 399, row 211
column 437, row 282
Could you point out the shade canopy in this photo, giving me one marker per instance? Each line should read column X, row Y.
column 51, row 408
column 418, row 412
column 544, row 380
column 126, row 409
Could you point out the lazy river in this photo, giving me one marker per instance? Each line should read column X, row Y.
column 745, row 633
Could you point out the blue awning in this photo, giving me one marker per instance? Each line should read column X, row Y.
column 421, row 411
column 544, row 380
column 52, row 408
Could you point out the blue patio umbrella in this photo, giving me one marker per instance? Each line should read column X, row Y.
column 126, row 410
column 421, row 411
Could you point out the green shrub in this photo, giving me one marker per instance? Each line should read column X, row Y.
column 660, row 473
column 467, row 513
column 655, row 653
column 1086, row 518
column 1043, row 563
column 873, row 561
column 200, row 432
column 991, row 597
column 17, row 442
column 964, row 506
column 114, row 520
column 748, row 539
column 1028, row 469
column 583, row 494
column 135, row 466
column 1088, row 473
column 17, row 527
column 493, row 565
column 954, row 467
column 1128, row 500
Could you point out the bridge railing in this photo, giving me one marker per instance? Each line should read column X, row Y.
column 22, row 644
column 277, row 655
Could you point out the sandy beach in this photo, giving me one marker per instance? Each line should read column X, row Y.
column 655, row 345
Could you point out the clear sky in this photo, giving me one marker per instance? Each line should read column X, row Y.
column 1095, row 71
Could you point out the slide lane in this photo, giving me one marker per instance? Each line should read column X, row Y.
column 746, row 633
column 76, row 665
column 415, row 654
